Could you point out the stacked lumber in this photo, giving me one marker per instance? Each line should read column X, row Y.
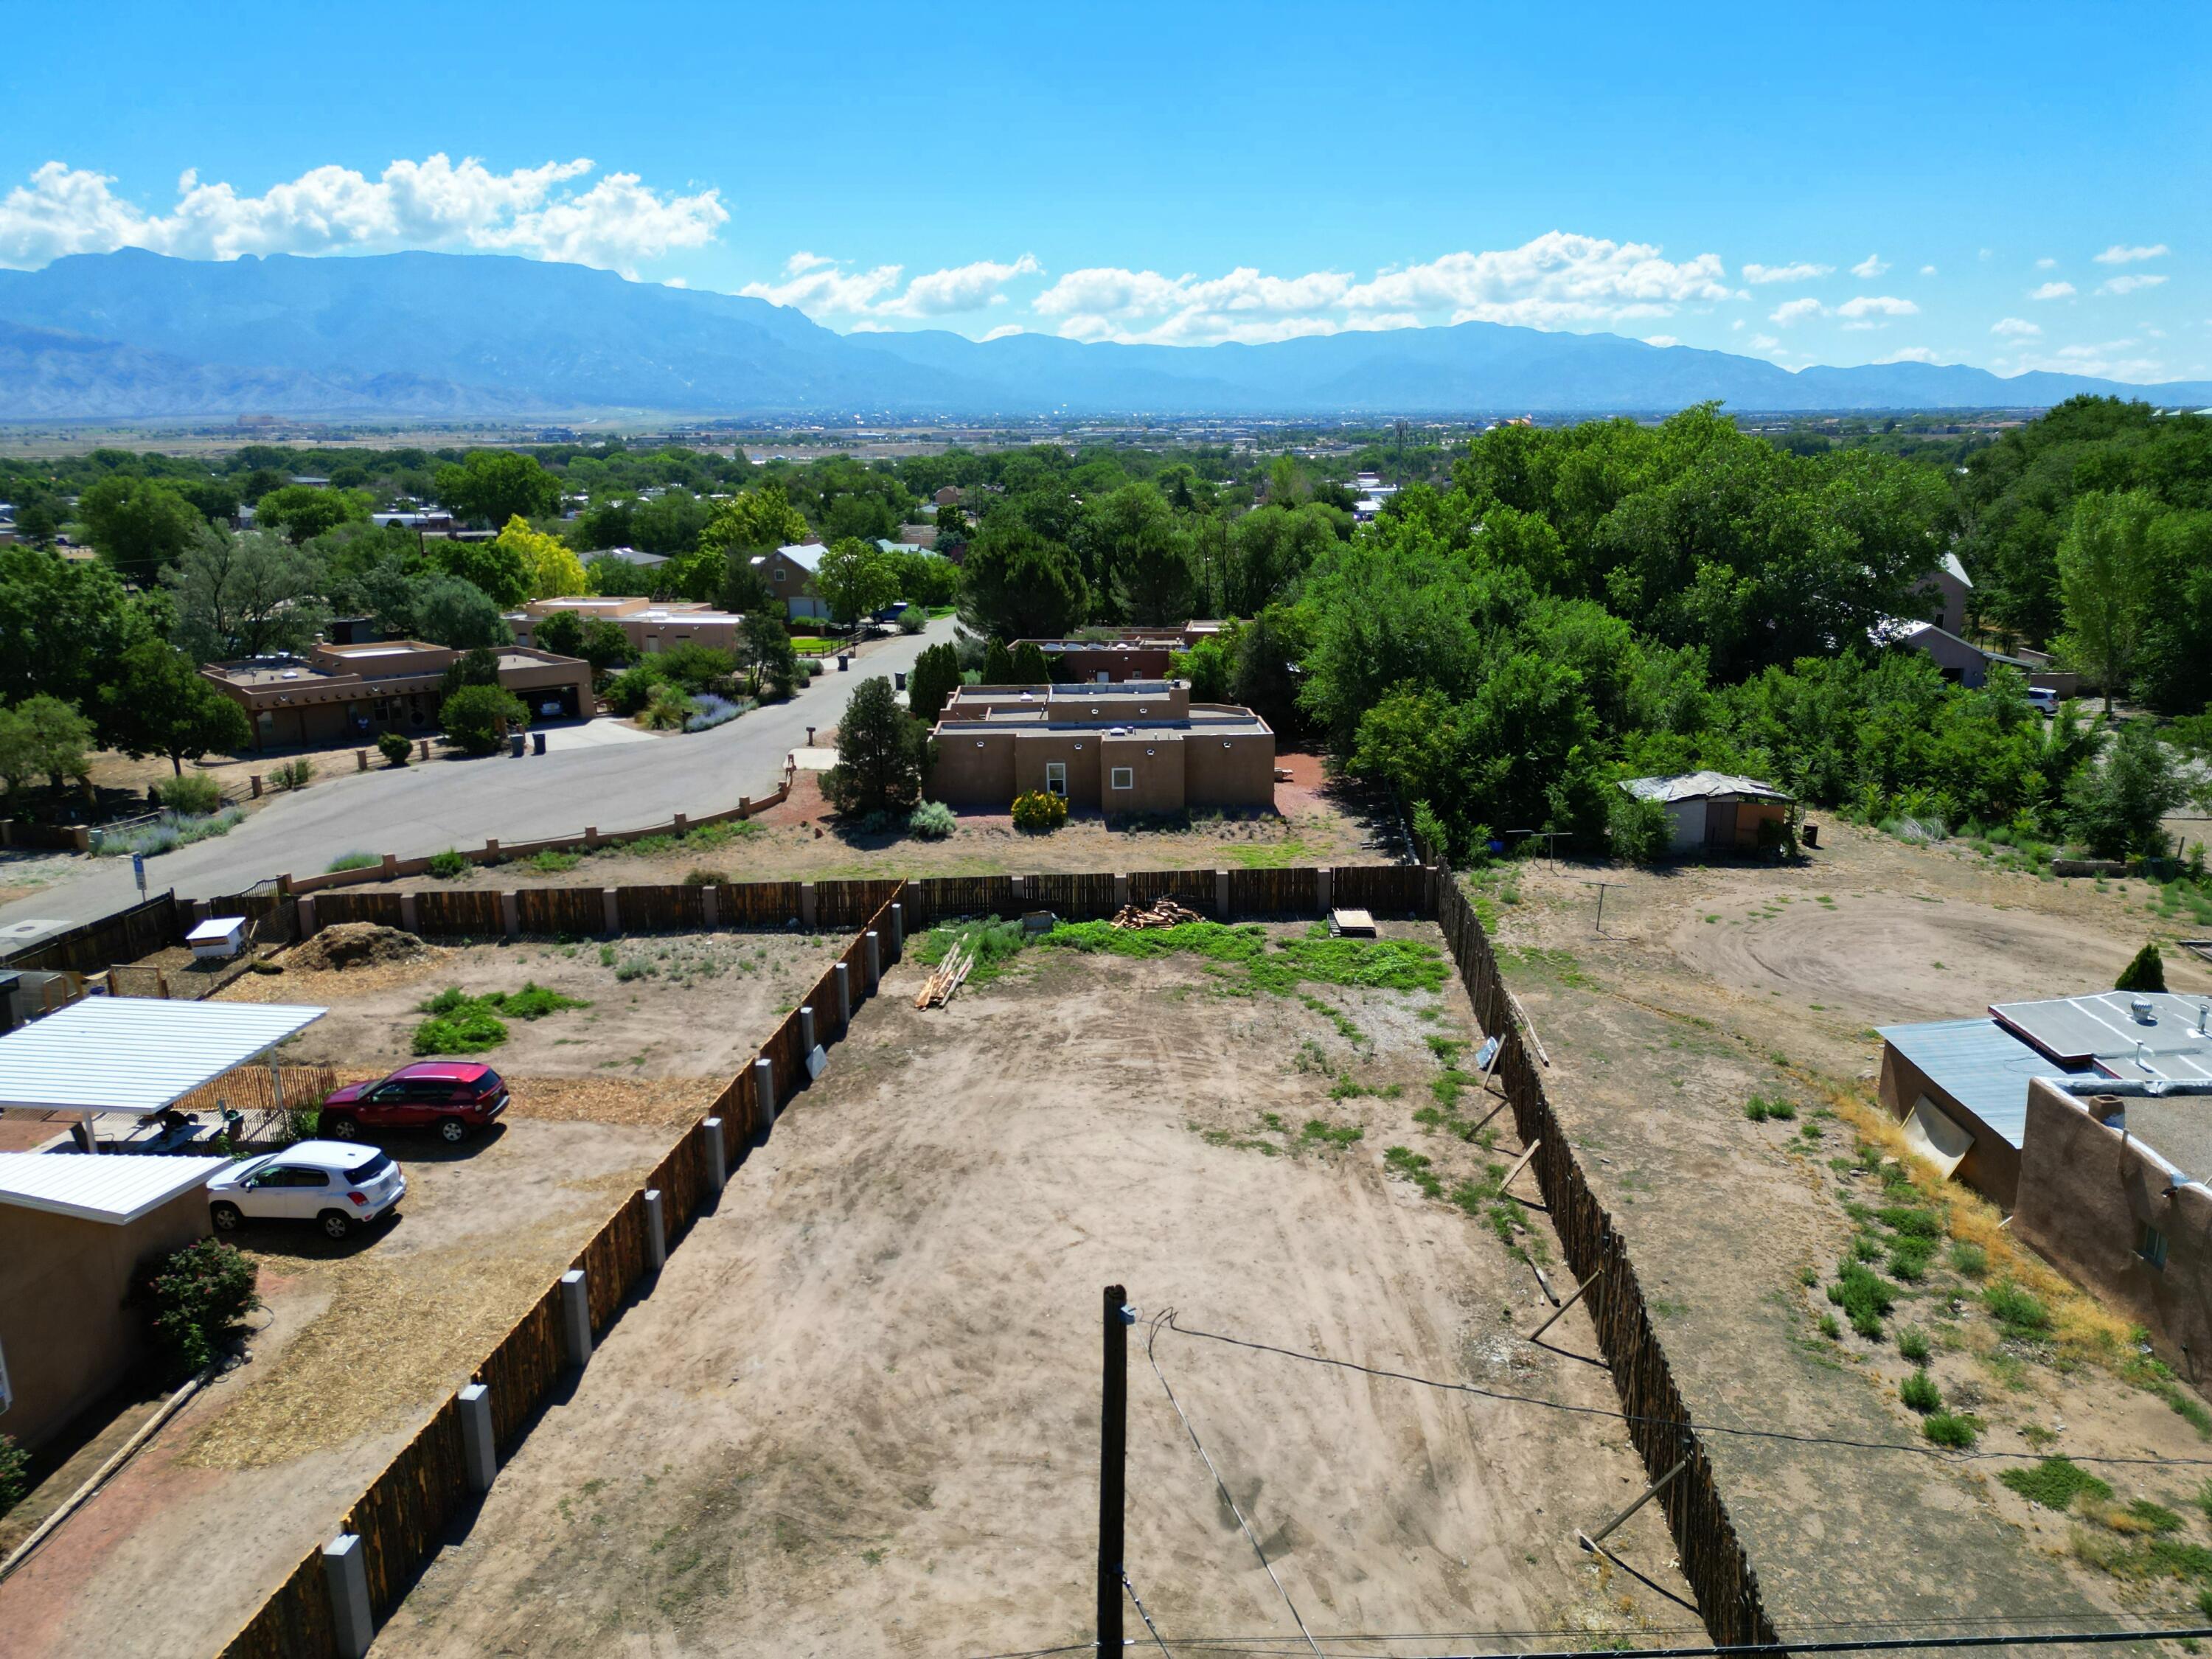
column 947, row 976
column 1161, row 913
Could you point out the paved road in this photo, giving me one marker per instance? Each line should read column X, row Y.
column 462, row 803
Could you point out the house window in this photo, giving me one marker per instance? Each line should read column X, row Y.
column 1125, row 777
column 779, row 573
column 2150, row 1245
column 1055, row 778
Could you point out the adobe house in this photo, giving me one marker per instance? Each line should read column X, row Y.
column 73, row 1231
column 649, row 625
column 1137, row 746
column 1108, row 656
column 348, row 692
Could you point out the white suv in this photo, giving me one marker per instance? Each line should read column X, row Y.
column 336, row 1186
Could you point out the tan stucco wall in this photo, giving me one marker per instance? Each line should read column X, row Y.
column 964, row 774
column 1156, row 779
column 1034, row 751
column 1992, row 1167
column 2084, row 1193
column 1241, row 774
column 63, row 1325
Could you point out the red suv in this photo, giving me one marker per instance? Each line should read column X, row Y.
column 459, row 1097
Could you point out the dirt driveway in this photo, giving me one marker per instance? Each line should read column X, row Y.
column 858, row 1414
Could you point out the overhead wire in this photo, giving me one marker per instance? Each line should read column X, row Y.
column 1151, row 1337
column 1141, row 1613
column 1791, row 1436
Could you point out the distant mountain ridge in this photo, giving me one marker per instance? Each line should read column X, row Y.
column 460, row 336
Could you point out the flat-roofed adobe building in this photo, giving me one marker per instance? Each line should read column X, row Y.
column 342, row 693
column 650, row 625
column 1137, row 746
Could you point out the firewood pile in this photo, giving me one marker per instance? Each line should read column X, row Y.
column 1160, row 912
column 947, row 976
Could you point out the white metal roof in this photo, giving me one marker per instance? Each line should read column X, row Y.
column 136, row 1054
column 111, row 1187
column 2166, row 1041
column 1701, row 786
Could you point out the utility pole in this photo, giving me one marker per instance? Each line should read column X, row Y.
column 1113, row 1448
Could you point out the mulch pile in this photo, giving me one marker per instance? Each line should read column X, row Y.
column 348, row 944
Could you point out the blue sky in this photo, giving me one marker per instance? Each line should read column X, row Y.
column 2013, row 186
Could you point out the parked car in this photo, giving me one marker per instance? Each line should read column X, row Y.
column 337, row 1187
column 457, row 1098
column 2043, row 699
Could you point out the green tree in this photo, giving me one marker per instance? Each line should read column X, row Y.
column 753, row 521
column 451, row 611
column 500, row 568
column 1030, row 667
column 549, row 568
column 880, row 748
column 478, row 666
column 43, row 736
column 853, row 580
column 158, row 704
column 1018, row 584
column 480, row 717
column 490, row 486
column 245, row 595
column 2115, row 807
column 1136, row 555
column 2107, row 583
column 302, row 511
column 765, row 653
column 604, row 645
column 997, row 663
column 63, row 623
column 936, row 676
column 137, row 524
column 562, row 633
column 37, row 522
column 2145, row 971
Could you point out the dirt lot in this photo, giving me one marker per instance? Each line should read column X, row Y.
column 1712, row 988
column 361, row 1339
column 1314, row 823
column 857, row 1415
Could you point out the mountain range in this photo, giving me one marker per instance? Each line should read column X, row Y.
column 138, row 335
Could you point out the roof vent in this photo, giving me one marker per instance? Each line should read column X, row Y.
column 2139, row 1006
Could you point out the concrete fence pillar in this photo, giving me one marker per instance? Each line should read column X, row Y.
column 807, row 905
column 898, row 932
column 844, row 978
column 479, row 1452
column 745, row 806
column 708, row 908
column 361, row 760
column 1120, row 891
column 253, row 782
column 1221, row 894
column 682, row 825
column 491, row 850
column 1321, row 890
column 590, row 835
column 806, row 1029
column 423, row 749
column 510, row 913
column 718, row 1167
column 610, row 909
column 346, row 1573
column 656, row 1230
column 307, row 916
column 765, row 1089
column 576, row 1317
column 872, row 954
column 408, row 919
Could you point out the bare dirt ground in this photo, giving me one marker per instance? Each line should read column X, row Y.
column 1712, row 985
column 858, row 1413
column 695, row 1005
column 1315, row 821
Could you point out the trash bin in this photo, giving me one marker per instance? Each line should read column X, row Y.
column 537, row 743
column 898, row 682
column 514, row 743
column 844, row 661
column 1812, row 834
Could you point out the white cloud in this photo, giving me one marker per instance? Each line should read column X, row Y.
column 1862, row 328
column 2015, row 325
column 2110, row 359
column 431, row 204
column 2118, row 255
column 1795, row 273
column 1660, row 340
column 1791, row 310
column 1005, row 331
column 2129, row 284
column 1909, row 354
column 2053, row 291
column 821, row 286
column 1737, row 323
column 1885, row 305
column 1764, row 343
column 1926, row 271
column 1870, row 267
column 2045, row 264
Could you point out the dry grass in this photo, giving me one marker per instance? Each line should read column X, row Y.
column 664, row 1101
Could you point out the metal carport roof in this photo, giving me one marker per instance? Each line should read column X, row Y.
column 136, row 1055
column 115, row 1187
